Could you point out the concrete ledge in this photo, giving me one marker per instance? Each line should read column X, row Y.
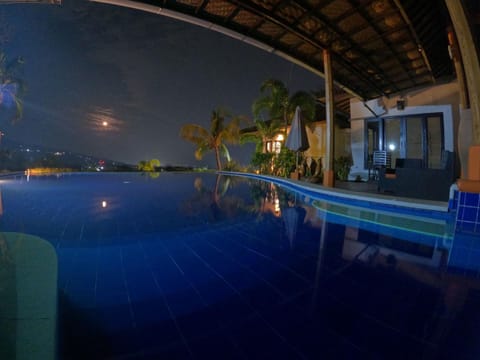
column 360, row 199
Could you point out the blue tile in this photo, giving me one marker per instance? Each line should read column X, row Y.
column 83, row 298
column 465, row 226
column 462, row 241
column 106, row 298
column 459, row 257
column 470, row 214
column 452, row 204
column 474, row 260
column 472, row 199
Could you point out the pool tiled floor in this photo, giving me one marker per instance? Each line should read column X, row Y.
column 140, row 287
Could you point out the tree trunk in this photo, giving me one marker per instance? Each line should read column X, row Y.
column 217, row 158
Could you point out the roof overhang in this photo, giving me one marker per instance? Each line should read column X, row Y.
column 378, row 47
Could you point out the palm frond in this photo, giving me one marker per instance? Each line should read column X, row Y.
column 276, row 88
column 194, row 133
column 250, row 138
column 306, row 102
column 224, row 151
column 217, row 120
column 19, row 106
column 201, row 150
column 261, row 104
column 274, row 99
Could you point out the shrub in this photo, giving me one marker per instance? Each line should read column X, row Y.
column 284, row 163
column 262, row 162
column 232, row 166
column 342, row 166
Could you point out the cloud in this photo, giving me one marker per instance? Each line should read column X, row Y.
column 147, row 74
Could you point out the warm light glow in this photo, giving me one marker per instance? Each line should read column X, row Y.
column 103, row 121
column 104, row 204
column 277, row 205
column 391, row 147
column 279, row 137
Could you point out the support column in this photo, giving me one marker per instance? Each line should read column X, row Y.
column 470, row 181
column 464, row 135
column 470, row 61
column 328, row 172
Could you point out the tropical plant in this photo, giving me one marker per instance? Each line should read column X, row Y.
column 232, row 165
column 264, row 131
column 284, row 163
column 215, row 138
column 263, row 161
column 11, row 85
column 148, row 165
column 342, row 166
column 276, row 101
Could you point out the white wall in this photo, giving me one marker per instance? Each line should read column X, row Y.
column 436, row 99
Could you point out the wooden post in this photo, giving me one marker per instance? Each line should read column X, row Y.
column 328, row 173
column 470, row 61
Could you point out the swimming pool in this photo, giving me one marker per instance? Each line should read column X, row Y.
column 218, row 267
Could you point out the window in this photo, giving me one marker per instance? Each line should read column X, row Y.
column 274, row 146
column 413, row 136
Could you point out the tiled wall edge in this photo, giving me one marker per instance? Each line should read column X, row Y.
column 467, row 208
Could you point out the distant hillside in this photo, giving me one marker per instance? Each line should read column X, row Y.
column 15, row 156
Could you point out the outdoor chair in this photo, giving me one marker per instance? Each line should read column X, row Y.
column 381, row 160
column 415, row 181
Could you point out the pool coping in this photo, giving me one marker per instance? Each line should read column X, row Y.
column 367, row 200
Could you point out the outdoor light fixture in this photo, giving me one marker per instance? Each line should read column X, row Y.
column 391, row 147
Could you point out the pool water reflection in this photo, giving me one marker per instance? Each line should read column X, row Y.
column 199, row 266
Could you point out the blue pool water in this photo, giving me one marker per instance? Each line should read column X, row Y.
column 195, row 266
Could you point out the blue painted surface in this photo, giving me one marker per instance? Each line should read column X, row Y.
column 161, row 268
column 468, row 213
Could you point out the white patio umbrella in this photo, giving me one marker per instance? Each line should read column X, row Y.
column 297, row 139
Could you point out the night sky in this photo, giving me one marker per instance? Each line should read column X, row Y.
column 144, row 74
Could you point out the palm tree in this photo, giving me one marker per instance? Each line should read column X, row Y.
column 280, row 106
column 148, row 165
column 216, row 137
column 11, row 86
column 264, row 131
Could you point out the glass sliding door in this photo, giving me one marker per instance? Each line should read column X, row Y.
column 393, row 134
column 435, row 141
column 372, row 139
column 415, row 138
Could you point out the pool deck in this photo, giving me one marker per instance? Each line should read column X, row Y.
column 358, row 191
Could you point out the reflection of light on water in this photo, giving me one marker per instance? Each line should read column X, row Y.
column 198, row 184
column 104, row 204
column 103, row 120
column 277, row 205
